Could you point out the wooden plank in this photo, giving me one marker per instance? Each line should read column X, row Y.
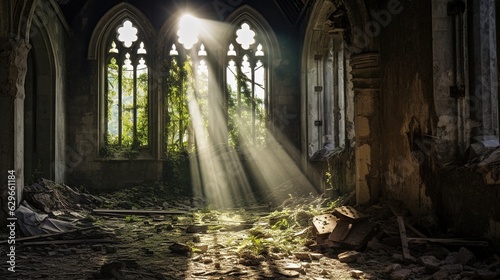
column 404, row 240
column 448, row 241
column 50, row 234
column 138, row 212
column 59, row 242
column 359, row 235
column 348, row 212
column 340, row 231
column 324, row 223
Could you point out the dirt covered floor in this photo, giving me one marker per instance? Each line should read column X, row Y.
column 138, row 234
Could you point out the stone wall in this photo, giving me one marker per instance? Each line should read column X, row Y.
column 86, row 167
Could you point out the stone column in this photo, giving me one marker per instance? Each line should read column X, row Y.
column 366, row 86
column 13, row 65
column 484, row 73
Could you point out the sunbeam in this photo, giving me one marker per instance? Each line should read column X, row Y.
column 236, row 160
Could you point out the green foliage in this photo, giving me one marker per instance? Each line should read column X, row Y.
column 126, row 109
column 131, row 219
column 247, row 120
column 281, row 224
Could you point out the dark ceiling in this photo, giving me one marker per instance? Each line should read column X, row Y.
column 293, row 10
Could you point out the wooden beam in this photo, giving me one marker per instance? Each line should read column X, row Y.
column 59, row 242
column 448, row 241
column 138, row 212
column 404, row 240
column 49, row 234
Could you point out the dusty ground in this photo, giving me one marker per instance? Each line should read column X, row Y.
column 243, row 243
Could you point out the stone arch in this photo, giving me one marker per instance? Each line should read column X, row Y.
column 247, row 13
column 114, row 16
column 97, row 51
column 39, row 105
column 21, row 18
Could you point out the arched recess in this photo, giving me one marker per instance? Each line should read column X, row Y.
column 327, row 98
column 39, row 108
column 336, row 56
column 98, row 49
column 44, row 105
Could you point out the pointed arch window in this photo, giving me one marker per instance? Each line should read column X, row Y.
column 126, row 88
column 247, row 87
column 186, row 95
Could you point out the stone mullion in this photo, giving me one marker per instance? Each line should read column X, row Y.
column 366, row 86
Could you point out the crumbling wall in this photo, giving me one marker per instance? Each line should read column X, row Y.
column 407, row 111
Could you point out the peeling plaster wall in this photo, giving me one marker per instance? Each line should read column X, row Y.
column 406, row 103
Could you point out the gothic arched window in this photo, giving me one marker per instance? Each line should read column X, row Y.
column 247, row 86
column 126, row 88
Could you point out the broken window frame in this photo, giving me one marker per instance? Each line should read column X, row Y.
column 327, row 97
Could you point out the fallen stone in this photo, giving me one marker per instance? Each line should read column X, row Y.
column 196, row 258
column 289, row 273
column 316, row 256
column 96, row 247
column 392, row 267
column 465, row 256
column 179, row 248
column 452, row 268
column 196, row 238
column 110, row 249
column 197, row 229
column 349, row 256
column 431, row 263
column 486, row 274
column 293, row 266
column 303, row 256
column 202, row 248
column 401, row 274
column 452, row 258
column 440, row 275
column 356, row 273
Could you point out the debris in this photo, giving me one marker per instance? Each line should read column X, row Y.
column 392, row 267
column 59, row 242
column 401, row 274
column 349, row 256
column 32, row 223
column 448, row 241
column 137, row 212
column 293, row 266
column 359, row 235
column 402, row 235
column 356, row 273
column 197, row 229
column 486, row 274
column 452, row 268
column 465, row 257
column 349, row 229
column 431, row 263
column 180, row 248
column 303, row 256
column 348, row 212
column 34, row 237
column 324, row 224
